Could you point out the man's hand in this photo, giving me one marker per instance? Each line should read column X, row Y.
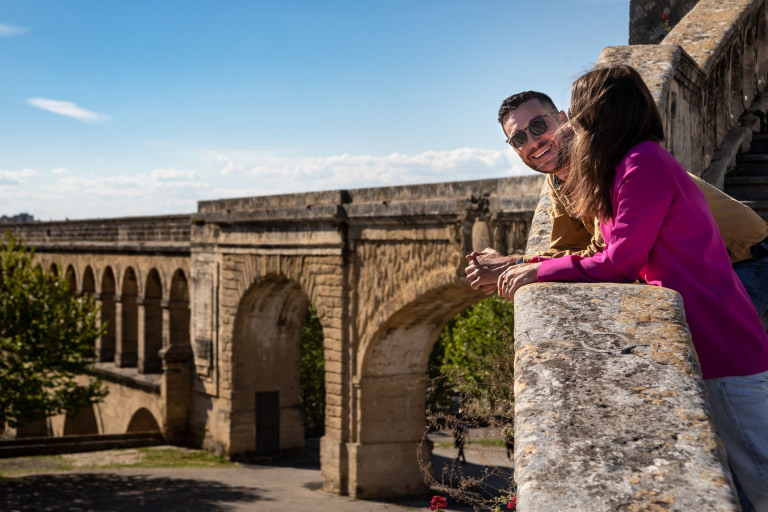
column 515, row 277
column 485, row 268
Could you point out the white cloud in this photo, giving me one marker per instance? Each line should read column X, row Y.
column 173, row 175
column 346, row 170
column 11, row 30
column 15, row 177
column 68, row 109
column 59, row 171
column 231, row 166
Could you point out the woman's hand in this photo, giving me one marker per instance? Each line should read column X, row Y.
column 515, row 277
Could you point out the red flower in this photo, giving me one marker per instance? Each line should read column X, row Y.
column 438, row 503
column 664, row 16
column 512, row 504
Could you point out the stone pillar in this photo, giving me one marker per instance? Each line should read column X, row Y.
column 119, row 359
column 165, row 306
column 176, row 391
column 141, row 343
column 98, row 350
column 386, row 469
column 610, row 410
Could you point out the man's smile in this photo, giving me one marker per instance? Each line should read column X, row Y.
column 542, row 151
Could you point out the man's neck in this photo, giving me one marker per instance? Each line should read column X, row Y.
column 562, row 173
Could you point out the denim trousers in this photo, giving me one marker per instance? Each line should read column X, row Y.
column 740, row 406
column 754, row 276
column 740, row 412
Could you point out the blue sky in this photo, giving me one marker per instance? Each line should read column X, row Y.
column 122, row 108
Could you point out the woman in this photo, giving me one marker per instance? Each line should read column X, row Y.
column 659, row 229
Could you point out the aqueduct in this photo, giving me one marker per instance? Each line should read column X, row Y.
column 222, row 292
column 229, row 287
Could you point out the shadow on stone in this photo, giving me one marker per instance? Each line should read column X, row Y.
column 117, row 493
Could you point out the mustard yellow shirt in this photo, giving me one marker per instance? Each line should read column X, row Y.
column 739, row 225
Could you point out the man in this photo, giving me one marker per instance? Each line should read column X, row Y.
column 541, row 136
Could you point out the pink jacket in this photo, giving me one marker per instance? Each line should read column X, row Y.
column 663, row 233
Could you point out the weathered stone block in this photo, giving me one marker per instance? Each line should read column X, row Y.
column 610, row 411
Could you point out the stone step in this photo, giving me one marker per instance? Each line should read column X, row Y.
column 760, row 207
column 747, row 188
column 759, row 143
column 751, row 164
column 70, row 444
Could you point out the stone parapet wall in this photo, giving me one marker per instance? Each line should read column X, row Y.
column 610, row 411
column 168, row 233
column 704, row 75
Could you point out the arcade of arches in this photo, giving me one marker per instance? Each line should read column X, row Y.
column 205, row 312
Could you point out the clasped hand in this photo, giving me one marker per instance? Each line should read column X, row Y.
column 489, row 271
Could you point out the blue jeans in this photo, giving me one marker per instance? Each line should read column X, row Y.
column 740, row 412
column 754, row 276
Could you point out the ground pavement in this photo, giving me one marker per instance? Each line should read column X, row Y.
column 279, row 487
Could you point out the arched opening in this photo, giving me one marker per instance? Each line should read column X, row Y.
column 143, row 421
column 267, row 416
column 89, row 282
column 390, row 394
column 82, row 423
column 54, row 269
column 105, row 346
column 748, row 70
column 127, row 347
column 72, row 279
column 761, row 44
column 149, row 362
column 736, row 86
column 312, row 374
column 178, row 309
column 721, row 102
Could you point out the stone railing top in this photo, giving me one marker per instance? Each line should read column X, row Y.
column 163, row 233
column 498, row 196
column 610, row 411
column 708, row 26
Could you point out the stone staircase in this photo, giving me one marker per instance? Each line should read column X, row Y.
column 748, row 181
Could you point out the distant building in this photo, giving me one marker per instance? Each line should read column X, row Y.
column 19, row 217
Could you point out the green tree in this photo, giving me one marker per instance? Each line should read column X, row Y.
column 475, row 353
column 313, row 374
column 47, row 339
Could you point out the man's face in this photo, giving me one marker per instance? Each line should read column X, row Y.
column 548, row 152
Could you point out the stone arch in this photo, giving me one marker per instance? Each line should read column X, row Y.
column 749, row 87
column 720, row 91
column 81, row 424
column 71, row 278
column 126, row 353
column 178, row 309
column 143, row 421
column 267, row 416
column 761, row 45
column 149, row 358
column 105, row 346
column 735, row 89
column 392, row 384
column 54, row 269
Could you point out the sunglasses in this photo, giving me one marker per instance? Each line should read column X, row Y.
column 537, row 126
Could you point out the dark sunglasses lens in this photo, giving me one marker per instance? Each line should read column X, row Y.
column 518, row 139
column 538, row 126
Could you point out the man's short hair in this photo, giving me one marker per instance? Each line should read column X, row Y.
column 518, row 99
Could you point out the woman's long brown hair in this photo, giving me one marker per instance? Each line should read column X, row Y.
column 615, row 111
